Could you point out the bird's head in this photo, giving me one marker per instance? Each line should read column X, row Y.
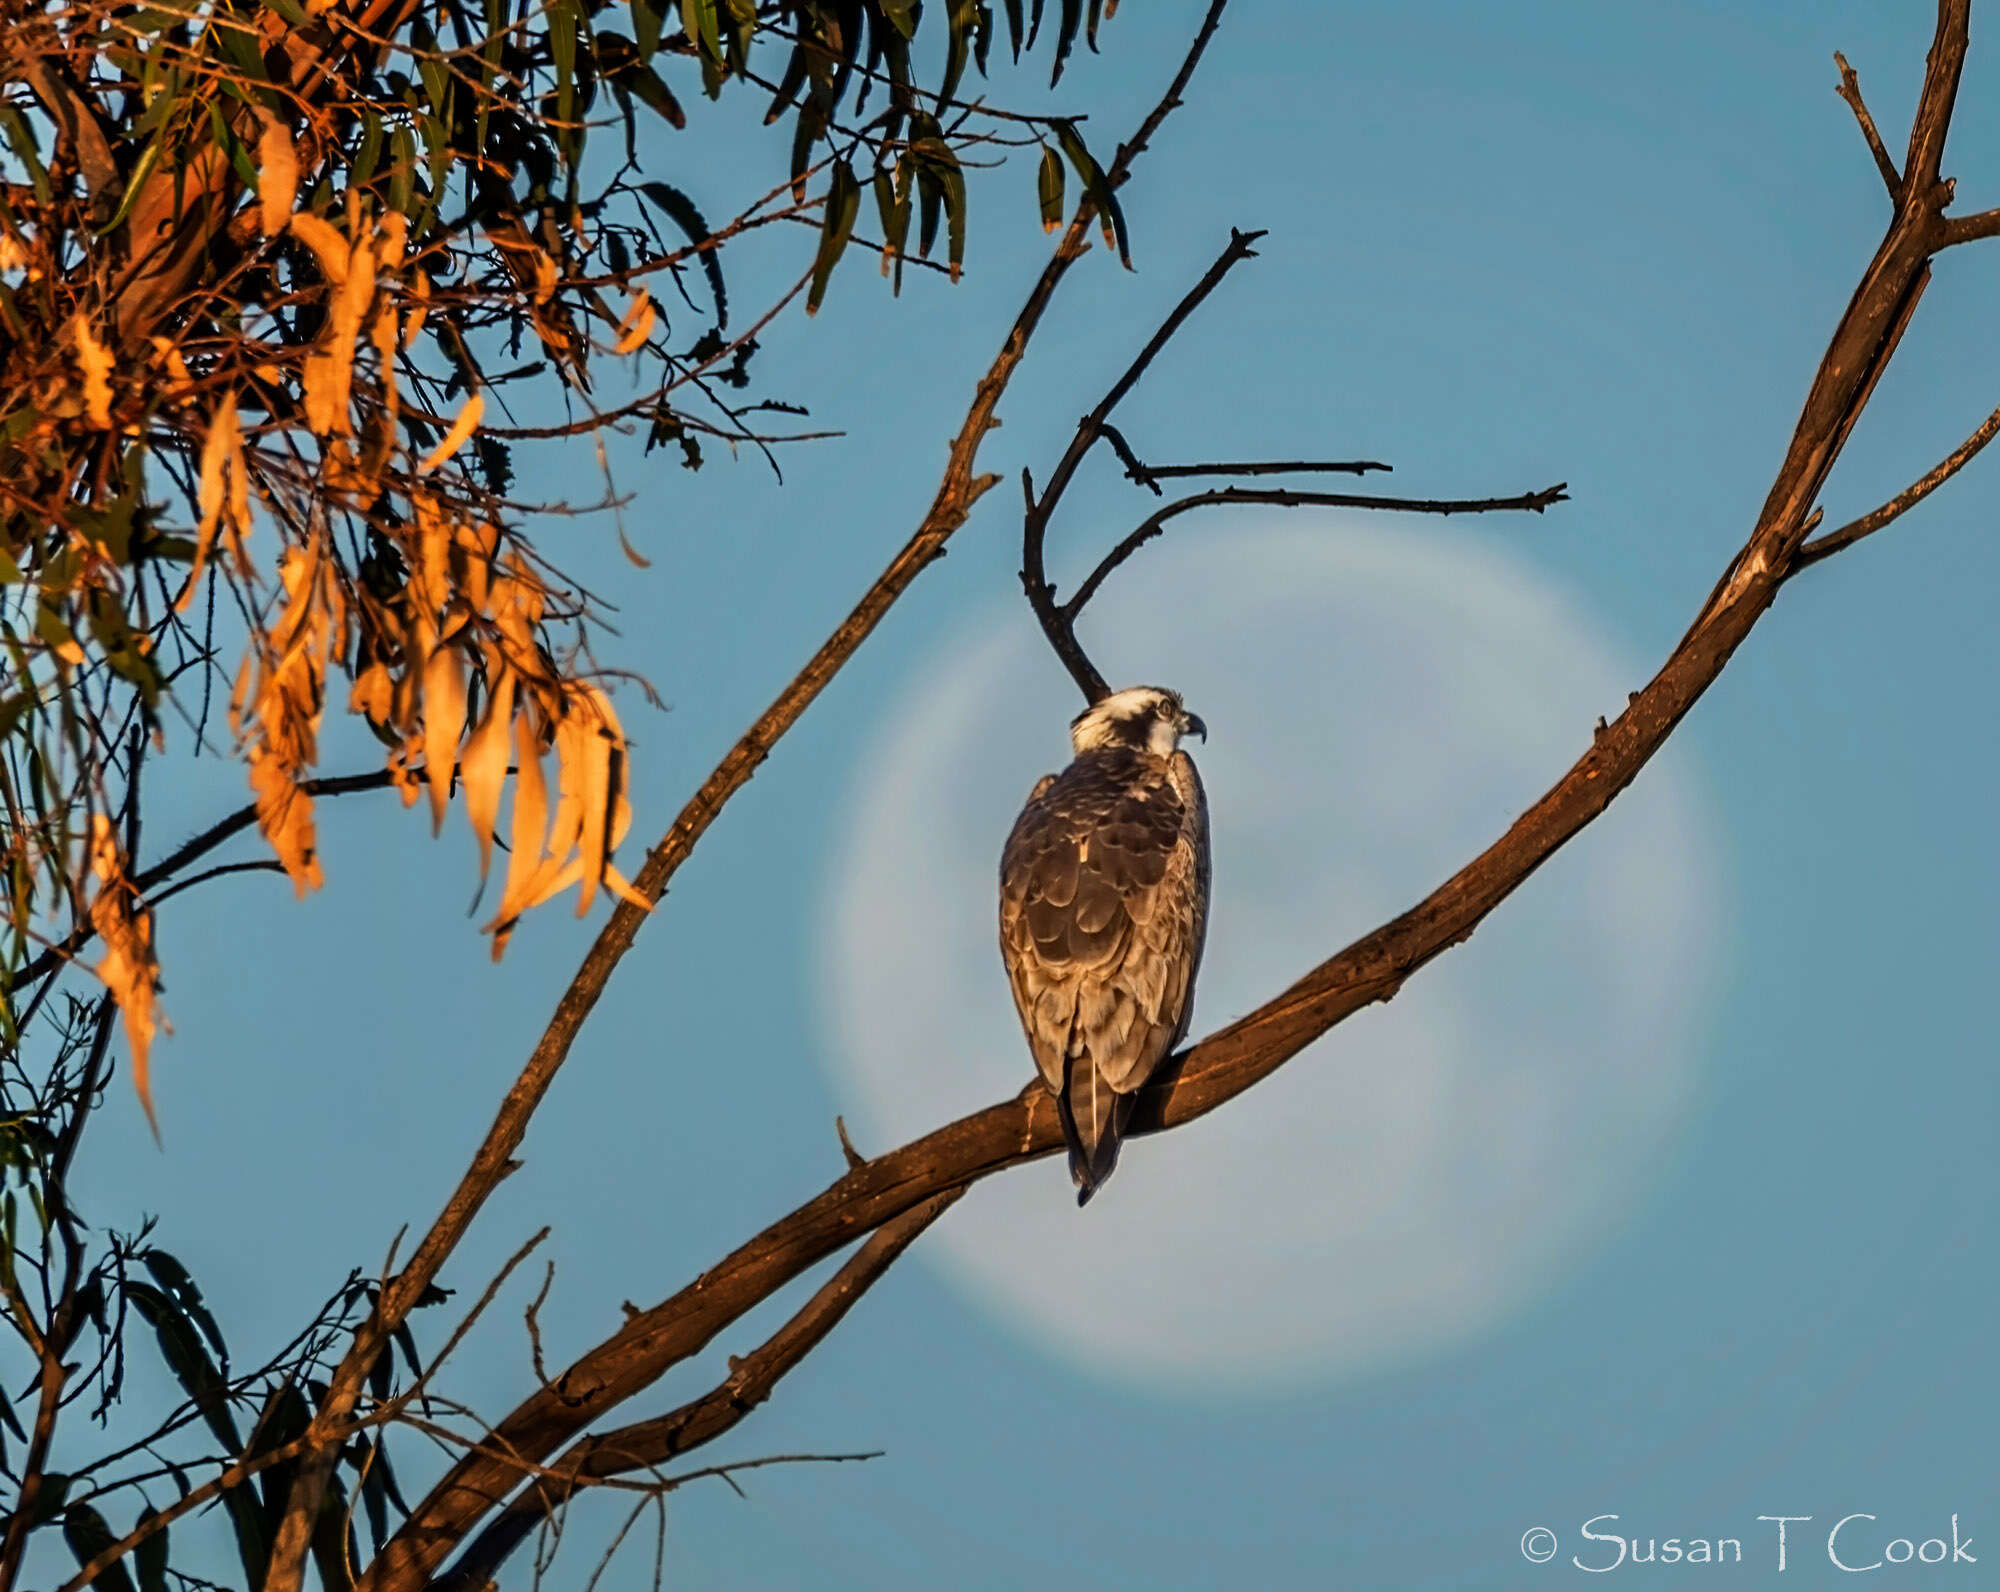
column 1143, row 717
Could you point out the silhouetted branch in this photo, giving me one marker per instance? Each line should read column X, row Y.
column 1151, row 527
column 648, row 1444
column 200, row 846
column 1164, row 472
column 1038, row 510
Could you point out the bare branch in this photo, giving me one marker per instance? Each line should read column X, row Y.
column 1372, row 969
column 1969, row 229
column 1535, row 502
column 647, row 1444
column 1850, row 90
column 192, row 851
column 1163, row 472
column 1854, row 530
column 1035, row 520
column 417, row 1548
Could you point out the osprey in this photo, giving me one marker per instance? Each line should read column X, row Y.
column 1103, row 906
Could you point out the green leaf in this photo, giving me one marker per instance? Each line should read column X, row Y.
column 49, row 1501
column 151, row 1555
column 678, row 208
column 646, row 85
column 646, row 24
column 88, row 1535
column 790, row 84
column 1096, row 188
column 1072, row 19
column 958, row 46
column 698, row 18
column 232, row 146
column 182, row 1349
column 954, row 211
column 1049, row 183
column 894, row 210
column 564, row 19
column 239, row 43
column 148, row 158
column 902, row 15
column 843, row 203
column 402, row 169
column 22, row 137
column 171, row 1275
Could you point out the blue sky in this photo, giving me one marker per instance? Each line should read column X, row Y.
column 1508, row 246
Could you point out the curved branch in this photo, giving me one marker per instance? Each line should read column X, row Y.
column 416, row 1550
column 200, row 846
column 1038, row 511
column 1372, row 969
column 647, row 1444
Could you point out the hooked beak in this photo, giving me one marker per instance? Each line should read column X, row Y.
column 1191, row 725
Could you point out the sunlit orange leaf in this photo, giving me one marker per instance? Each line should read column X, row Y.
column 461, row 429
column 483, row 770
column 444, row 722
column 284, row 814
column 277, row 174
column 129, row 968
column 637, row 325
column 325, row 241
column 95, row 365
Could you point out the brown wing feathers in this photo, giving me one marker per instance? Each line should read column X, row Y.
column 1103, row 896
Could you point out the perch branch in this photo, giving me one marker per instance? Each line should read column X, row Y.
column 1372, row 969
column 417, row 1549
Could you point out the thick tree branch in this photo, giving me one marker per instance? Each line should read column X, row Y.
column 647, row 1444
column 1854, row 530
column 1372, row 969
column 418, row 1548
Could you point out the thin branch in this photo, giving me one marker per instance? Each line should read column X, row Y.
column 1151, row 475
column 1035, row 519
column 1854, row 530
column 1163, row 472
column 646, row 1444
column 1372, row 969
column 200, row 846
column 1850, row 90
column 1534, row 502
column 260, row 865
column 426, row 1537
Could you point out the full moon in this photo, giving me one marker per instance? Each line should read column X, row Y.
column 1383, row 698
